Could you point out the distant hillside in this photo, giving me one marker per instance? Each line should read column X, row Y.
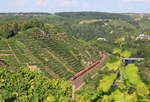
column 93, row 25
column 93, row 15
column 89, row 25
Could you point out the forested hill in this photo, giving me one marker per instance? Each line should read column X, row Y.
column 92, row 25
column 44, row 47
column 93, row 15
column 89, row 25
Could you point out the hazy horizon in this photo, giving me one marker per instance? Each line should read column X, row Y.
column 52, row 6
column 76, row 11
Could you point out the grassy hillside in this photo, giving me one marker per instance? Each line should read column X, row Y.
column 49, row 50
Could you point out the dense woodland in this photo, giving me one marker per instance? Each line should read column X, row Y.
column 39, row 52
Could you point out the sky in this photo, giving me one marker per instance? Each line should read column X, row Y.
column 51, row 6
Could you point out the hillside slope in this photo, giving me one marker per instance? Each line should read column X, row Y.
column 49, row 50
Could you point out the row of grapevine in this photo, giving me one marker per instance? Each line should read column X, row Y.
column 7, row 54
column 64, row 54
column 28, row 49
column 18, row 52
column 58, row 48
column 10, row 60
column 3, row 45
column 52, row 63
column 45, row 58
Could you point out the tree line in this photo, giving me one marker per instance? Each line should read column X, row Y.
column 10, row 29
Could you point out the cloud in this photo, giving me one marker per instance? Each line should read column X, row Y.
column 22, row 3
column 67, row 3
column 42, row 3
